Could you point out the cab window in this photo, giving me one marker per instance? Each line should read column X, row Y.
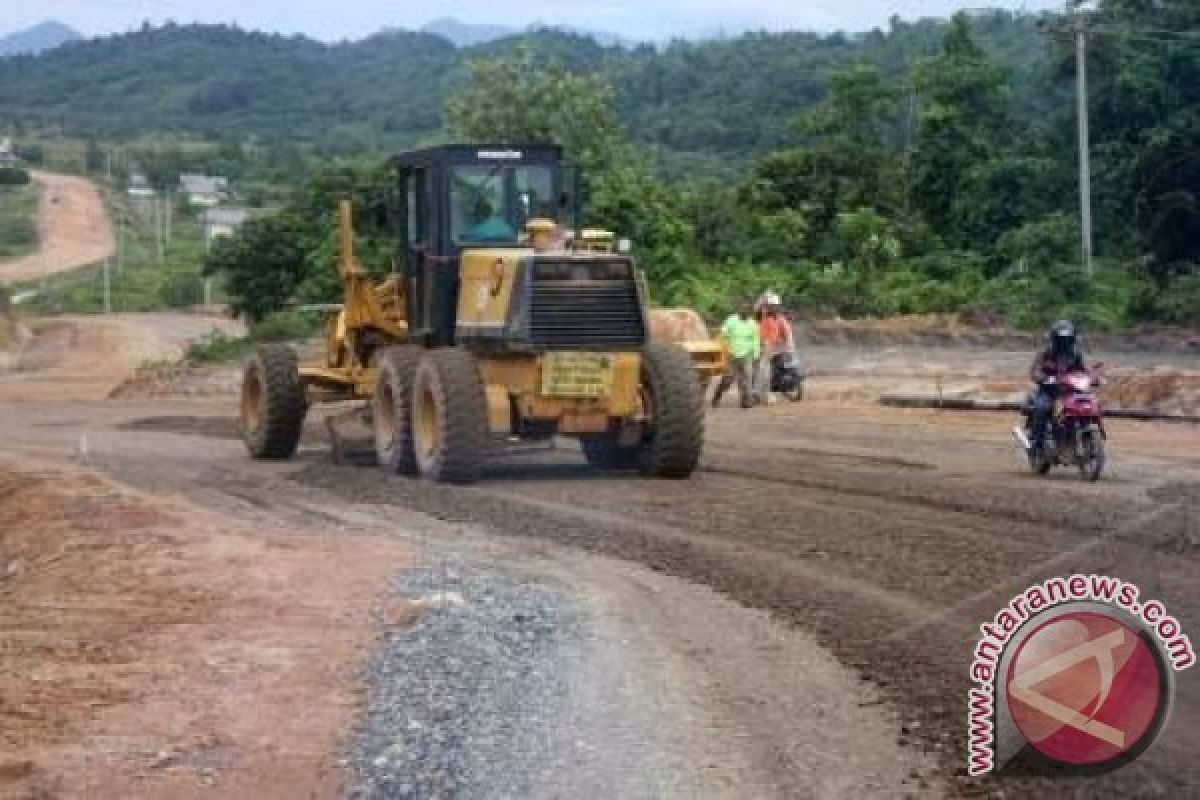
column 491, row 204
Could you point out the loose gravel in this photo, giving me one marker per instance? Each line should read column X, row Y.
column 460, row 699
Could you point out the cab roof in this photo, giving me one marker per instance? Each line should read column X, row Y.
column 490, row 154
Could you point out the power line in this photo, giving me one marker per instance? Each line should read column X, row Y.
column 1139, row 30
column 1140, row 36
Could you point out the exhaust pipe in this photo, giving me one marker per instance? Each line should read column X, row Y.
column 1022, row 439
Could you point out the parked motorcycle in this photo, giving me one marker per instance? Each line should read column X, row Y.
column 787, row 376
column 1076, row 434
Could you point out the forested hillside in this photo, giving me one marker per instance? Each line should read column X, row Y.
column 743, row 95
column 218, row 80
column 929, row 167
column 730, row 98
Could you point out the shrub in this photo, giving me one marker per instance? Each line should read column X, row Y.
column 285, row 326
column 1111, row 298
column 182, row 290
column 833, row 291
column 1179, row 302
column 13, row 176
column 1041, row 244
column 31, row 152
column 715, row 290
column 217, row 348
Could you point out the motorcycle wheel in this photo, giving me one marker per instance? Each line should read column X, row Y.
column 796, row 393
column 1091, row 456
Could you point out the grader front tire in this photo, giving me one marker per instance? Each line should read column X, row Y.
column 450, row 423
column 273, row 403
column 391, row 409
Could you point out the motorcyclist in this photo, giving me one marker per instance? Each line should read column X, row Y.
column 1061, row 355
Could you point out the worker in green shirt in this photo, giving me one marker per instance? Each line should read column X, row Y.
column 742, row 341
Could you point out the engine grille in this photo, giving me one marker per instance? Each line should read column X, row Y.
column 586, row 315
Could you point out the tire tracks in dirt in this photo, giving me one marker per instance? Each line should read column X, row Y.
column 857, row 548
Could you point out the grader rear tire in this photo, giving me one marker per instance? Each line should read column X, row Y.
column 676, row 409
column 449, row 419
column 273, row 403
column 391, row 409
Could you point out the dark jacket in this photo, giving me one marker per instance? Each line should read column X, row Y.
column 1047, row 363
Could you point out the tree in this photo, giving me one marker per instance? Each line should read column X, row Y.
column 14, row 176
column 264, row 263
column 515, row 99
column 94, row 158
column 31, row 152
column 291, row 255
column 963, row 120
column 795, row 197
column 870, row 245
column 518, row 99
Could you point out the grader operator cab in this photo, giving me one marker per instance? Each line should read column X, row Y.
column 499, row 323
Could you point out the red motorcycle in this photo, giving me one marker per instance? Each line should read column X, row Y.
column 1076, row 434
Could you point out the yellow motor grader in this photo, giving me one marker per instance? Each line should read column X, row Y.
column 498, row 323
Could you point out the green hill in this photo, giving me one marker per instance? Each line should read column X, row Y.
column 725, row 99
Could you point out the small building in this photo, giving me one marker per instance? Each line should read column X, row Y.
column 8, row 154
column 205, row 191
column 139, row 186
column 218, row 222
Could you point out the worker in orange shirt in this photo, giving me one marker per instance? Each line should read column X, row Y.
column 775, row 332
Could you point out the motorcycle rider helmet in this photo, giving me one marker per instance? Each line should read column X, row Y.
column 1062, row 336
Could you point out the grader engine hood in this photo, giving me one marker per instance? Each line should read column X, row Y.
column 523, row 301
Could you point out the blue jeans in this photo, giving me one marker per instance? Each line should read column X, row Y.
column 1043, row 407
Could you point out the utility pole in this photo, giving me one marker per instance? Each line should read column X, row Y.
column 1075, row 27
column 158, row 227
column 120, row 239
column 1085, row 160
column 107, row 286
column 208, row 280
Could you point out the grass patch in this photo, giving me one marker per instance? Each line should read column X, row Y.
column 220, row 348
column 217, row 348
column 18, row 226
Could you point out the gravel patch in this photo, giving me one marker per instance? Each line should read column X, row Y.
column 460, row 700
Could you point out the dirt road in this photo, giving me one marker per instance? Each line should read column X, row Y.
column 136, row 627
column 665, row 700
column 73, row 230
column 885, row 537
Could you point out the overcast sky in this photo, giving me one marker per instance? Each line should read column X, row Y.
column 639, row 19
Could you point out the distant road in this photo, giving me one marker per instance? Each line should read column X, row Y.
column 73, row 229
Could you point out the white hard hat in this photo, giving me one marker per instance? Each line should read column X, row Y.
column 772, row 299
